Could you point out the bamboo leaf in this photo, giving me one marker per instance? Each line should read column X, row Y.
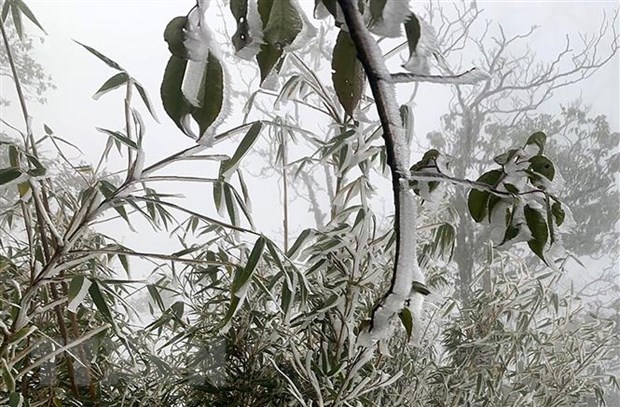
column 114, row 82
column 102, row 57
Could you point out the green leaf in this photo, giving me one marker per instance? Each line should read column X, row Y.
column 407, row 320
column 175, row 104
column 512, row 231
column 478, row 201
column 241, row 38
column 102, row 57
column 243, row 276
column 100, row 302
column 283, row 25
column 13, row 156
column 5, row 10
column 211, row 96
column 543, row 166
column 145, row 98
column 114, row 82
column 155, row 296
column 77, row 292
column 303, row 236
column 28, row 13
column 16, row 399
column 506, row 157
column 174, row 36
column 558, row 213
column 420, row 288
column 540, row 139
column 347, row 73
column 412, row 30
column 267, row 58
column 17, row 21
column 9, row 174
column 7, row 376
column 250, row 138
column 376, row 10
column 538, row 227
column 120, row 137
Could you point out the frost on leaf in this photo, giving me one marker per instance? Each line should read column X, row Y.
column 423, row 44
column 385, row 17
column 194, row 87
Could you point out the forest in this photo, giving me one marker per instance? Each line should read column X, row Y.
column 309, row 203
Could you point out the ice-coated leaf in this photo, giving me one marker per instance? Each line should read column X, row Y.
column 538, row 227
column 281, row 21
column 212, row 95
column 407, row 320
column 267, row 59
column 102, row 57
column 9, row 174
column 412, row 31
column 539, row 139
column 506, row 157
column 243, row 275
column 543, row 166
column 347, row 73
column 27, row 12
column 173, row 35
column 77, row 292
column 478, row 201
column 120, row 137
column 114, row 82
column 229, row 166
column 301, row 239
column 100, row 302
column 145, row 98
column 175, row 104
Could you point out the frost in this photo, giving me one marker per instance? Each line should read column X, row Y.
column 418, row 62
column 308, row 31
column 255, row 30
column 394, row 15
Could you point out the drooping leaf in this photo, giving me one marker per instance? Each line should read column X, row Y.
column 212, row 95
column 267, row 59
column 175, row 104
column 283, row 24
column 27, row 12
column 407, row 320
column 558, row 213
column 538, row 227
column 347, row 73
column 102, row 57
column 412, row 30
column 17, row 21
column 229, row 166
column 301, row 239
column 114, row 82
column 77, row 292
column 243, row 275
column 478, row 201
column 120, row 137
column 7, row 376
column 145, row 98
column 100, row 302
column 174, row 36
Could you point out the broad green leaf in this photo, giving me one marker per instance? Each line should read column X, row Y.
column 77, row 292
column 100, row 302
column 283, row 25
column 420, row 288
column 211, row 95
column 478, row 201
column 538, row 227
column 407, row 320
column 558, row 213
column 173, row 35
column 102, row 57
column 539, row 139
column 543, row 166
column 9, row 174
column 512, row 231
column 114, row 82
column 5, row 10
column 267, row 58
column 412, row 30
column 13, row 156
column 250, row 138
column 347, row 73
column 506, row 157
column 175, row 104
column 120, row 137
